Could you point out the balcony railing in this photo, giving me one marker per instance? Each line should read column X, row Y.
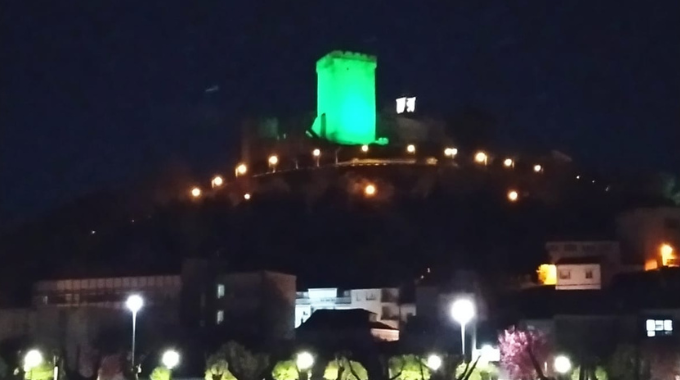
column 333, row 300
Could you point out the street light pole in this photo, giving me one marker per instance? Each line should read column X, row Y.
column 134, row 303
column 463, row 311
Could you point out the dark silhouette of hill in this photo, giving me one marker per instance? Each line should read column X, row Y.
column 318, row 225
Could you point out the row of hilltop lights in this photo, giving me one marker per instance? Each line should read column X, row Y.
column 370, row 189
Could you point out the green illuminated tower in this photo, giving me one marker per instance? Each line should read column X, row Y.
column 346, row 98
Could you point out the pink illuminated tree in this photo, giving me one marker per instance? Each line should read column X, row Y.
column 523, row 353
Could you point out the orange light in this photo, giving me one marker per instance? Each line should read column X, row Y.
column 411, row 148
column 195, row 192
column 513, row 196
column 538, row 168
column 273, row 160
column 667, row 255
column 508, row 163
column 651, row 264
column 481, row 158
column 217, row 181
column 241, row 169
column 316, row 152
column 547, row 274
column 370, row 190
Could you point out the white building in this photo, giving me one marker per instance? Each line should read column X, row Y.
column 383, row 302
column 579, row 273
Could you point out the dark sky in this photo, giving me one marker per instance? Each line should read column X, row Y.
column 96, row 94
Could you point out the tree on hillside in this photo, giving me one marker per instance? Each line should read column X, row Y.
column 522, row 352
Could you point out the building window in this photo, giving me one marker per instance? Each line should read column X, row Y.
column 589, row 274
column 220, row 290
column 370, row 296
column 219, row 318
column 565, row 274
column 659, row 327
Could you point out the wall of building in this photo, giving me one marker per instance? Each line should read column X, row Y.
column 578, row 277
column 108, row 292
column 256, row 304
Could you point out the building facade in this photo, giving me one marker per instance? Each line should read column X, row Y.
column 383, row 302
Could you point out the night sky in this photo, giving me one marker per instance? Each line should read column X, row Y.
column 98, row 94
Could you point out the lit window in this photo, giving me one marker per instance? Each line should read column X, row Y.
column 220, row 290
column 401, row 105
column 219, row 317
column 565, row 274
column 410, row 104
column 589, row 274
column 659, row 327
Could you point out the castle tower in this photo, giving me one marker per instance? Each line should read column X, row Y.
column 346, row 105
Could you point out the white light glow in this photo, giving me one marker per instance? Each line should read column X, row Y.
column 434, row 362
column 463, row 310
column 411, row 104
column 304, row 360
column 32, row 359
column 134, row 303
column 170, row 359
column 562, row 364
column 401, row 105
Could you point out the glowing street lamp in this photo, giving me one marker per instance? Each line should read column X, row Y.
column 195, row 192
column 450, row 152
column 170, row 359
column 508, row 163
column 316, row 153
column 513, row 196
column 370, row 190
column 134, row 303
column 273, row 161
column 538, row 168
column 481, row 158
column 562, row 364
column 434, row 362
column 411, row 149
column 32, row 359
column 217, row 181
column 462, row 311
column 364, row 148
column 304, row 362
column 240, row 170
column 246, row 196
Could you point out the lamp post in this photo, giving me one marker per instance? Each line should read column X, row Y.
column 411, row 149
column 562, row 364
column 304, row 362
column 434, row 362
column 170, row 360
column 450, row 152
column 316, row 153
column 134, row 303
column 240, row 170
column 32, row 359
column 462, row 311
column 273, row 161
column 481, row 158
column 217, row 181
